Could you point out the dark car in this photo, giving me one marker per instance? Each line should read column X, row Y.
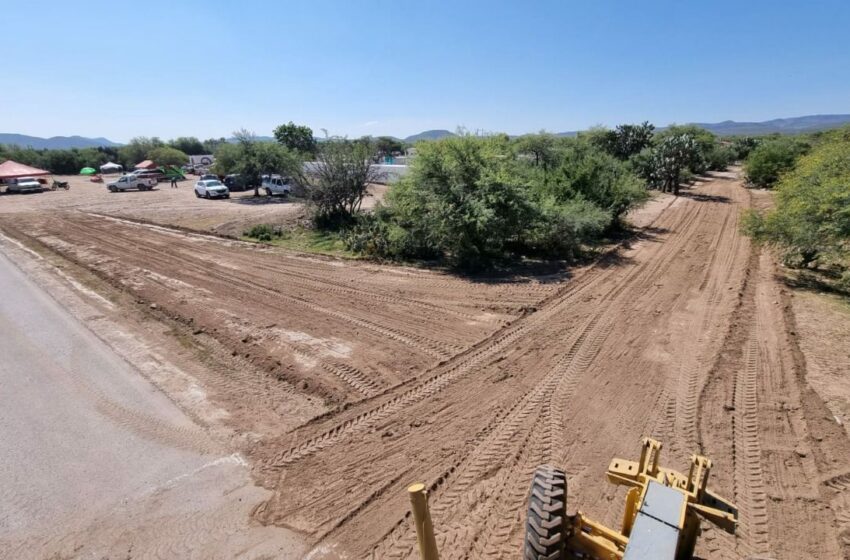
column 235, row 182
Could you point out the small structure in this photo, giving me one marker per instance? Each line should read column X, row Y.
column 111, row 167
column 147, row 164
column 12, row 170
column 202, row 160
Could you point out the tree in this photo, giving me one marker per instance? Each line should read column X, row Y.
column 252, row 159
column 768, row 161
column 663, row 166
column 138, row 149
column 211, row 145
column 584, row 171
column 539, row 146
column 297, row 138
column 340, row 179
column 189, row 145
column 811, row 216
column 626, row 140
column 166, row 155
column 388, row 146
column 704, row 142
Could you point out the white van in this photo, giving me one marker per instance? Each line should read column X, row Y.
column 276, row 185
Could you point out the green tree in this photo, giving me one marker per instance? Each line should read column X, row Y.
column 770, row 159
column 626, row 140
column 811, row 216
column 138, row 149
column 705, row 142
column 166, row 155
column 211, row 145
column 189, row 145
column 585, row 171
column 665, row 165
column 540, row 147
column 388, row 146
column 297, row 138
column 252, row 159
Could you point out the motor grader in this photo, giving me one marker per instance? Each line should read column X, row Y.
column 661, row 520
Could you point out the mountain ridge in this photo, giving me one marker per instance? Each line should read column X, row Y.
column 787, row 125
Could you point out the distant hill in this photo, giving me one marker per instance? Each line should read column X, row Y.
column 428, row 135
column 55, row 142
column 793, row 125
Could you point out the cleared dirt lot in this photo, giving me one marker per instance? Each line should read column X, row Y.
column 165, row 205
column 348, row 380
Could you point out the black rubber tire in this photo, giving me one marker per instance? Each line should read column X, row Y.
column 197, row 194
column 546, row 520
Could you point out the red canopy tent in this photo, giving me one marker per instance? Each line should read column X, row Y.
column 12, row 170
column 147, row 164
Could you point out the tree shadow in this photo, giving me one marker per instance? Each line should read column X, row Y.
column 704, row 197
column 262, row 200
column 821, row 281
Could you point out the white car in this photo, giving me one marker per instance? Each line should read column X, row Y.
column 276, row 185
column 25, row 184
column 211, row 189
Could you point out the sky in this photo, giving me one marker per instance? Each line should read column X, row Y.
column 207, row 68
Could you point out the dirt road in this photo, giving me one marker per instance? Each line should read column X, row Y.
column 351, row 380
column 96, row 462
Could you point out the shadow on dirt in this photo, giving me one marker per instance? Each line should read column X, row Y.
column 261, row 200
column 705, row 197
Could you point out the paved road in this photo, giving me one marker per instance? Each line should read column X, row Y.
column 95, row 462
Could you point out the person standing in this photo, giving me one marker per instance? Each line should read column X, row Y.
column 174, row 181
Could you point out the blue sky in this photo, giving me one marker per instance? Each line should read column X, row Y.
column 206, row 68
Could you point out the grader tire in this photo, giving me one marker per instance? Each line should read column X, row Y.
column 546, row 521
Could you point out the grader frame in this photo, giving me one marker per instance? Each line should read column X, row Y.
column 660, row 522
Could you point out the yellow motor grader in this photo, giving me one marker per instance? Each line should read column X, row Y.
column 660, row 521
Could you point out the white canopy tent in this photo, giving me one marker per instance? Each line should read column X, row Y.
column 110, row 167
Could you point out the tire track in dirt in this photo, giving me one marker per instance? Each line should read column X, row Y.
column 432, row 348
column 513, row 480
column 747, row 455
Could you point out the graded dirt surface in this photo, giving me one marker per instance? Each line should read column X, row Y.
column 170, row 206
column 342, row 382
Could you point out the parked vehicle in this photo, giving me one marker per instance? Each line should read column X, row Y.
column 235, row 182
column 60, row 185
column 211, row 189
column 132, row 181
column 156, row 174
column 209, row 177
column 25, row 184
column 276, row 185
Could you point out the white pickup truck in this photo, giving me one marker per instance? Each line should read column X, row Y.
column 276, row 185
column 25, row 184
column 132, row 181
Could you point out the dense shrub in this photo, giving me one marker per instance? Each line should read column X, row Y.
column 262, row 232
column 473, row 201
column 585, row 172
column 811, row 217
column 769, row 160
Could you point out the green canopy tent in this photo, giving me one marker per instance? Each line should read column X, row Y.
column 88, row 171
